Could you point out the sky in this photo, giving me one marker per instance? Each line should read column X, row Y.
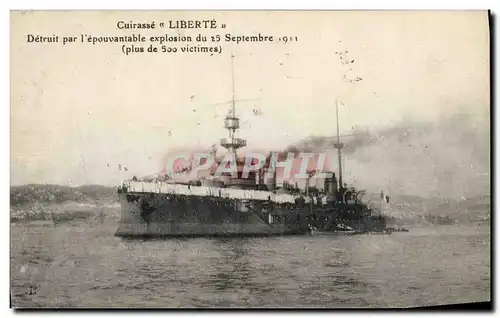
column 79, row 110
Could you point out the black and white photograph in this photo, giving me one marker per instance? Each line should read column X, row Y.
column 250, row 159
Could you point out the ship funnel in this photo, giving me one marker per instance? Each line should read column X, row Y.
column 271, row 182
column 331, row 185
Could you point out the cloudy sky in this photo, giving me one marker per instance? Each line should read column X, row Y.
column 79, row 110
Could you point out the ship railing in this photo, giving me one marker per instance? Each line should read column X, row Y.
column 180, row 189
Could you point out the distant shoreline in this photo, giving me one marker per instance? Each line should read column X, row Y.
column 50, row 193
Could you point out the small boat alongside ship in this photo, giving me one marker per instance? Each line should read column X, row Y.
column 347, row 230
column 341, row 230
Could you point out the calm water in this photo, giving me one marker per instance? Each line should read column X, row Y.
column 84, row 265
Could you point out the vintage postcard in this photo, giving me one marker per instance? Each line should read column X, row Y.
column 250, row 159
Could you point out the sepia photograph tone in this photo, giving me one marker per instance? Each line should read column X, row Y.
column 250, row 159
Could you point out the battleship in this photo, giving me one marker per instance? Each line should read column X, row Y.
column 244, row 204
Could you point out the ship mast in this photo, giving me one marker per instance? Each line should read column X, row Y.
column 233, row 100
column 339, row 145
column 345, row 61
column 232, row 123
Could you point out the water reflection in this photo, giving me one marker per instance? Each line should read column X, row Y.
column 232, row 268
column 83, row 267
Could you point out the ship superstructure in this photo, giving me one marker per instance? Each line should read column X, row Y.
column 236, row 204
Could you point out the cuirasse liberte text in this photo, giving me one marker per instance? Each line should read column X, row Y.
column 172, row 24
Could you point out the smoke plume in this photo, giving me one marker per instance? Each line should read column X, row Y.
column 448, row 158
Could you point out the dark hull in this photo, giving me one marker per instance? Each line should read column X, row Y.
column 158, row 215
column 162, row 215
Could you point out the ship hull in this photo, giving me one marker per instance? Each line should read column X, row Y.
column 160, row 215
